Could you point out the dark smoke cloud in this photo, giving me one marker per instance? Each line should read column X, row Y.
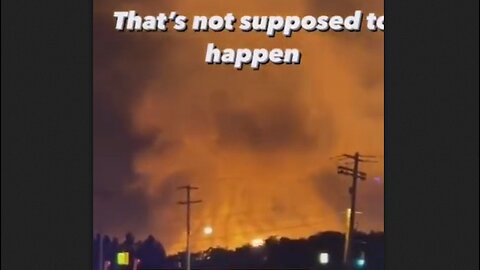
column 277, row 128
column 115, row 90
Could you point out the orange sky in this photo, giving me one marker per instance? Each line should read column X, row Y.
column 257, row 143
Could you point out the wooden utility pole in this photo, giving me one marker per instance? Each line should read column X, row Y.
column 188, row 202
column 101, row 262
column 356, row 174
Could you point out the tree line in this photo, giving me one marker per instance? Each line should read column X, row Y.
column 275, row 253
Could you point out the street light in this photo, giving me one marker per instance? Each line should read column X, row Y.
column 207, row 230
column 323, row 258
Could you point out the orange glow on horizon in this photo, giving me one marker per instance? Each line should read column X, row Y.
column 256, row 143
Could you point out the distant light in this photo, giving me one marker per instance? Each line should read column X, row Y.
column 349, row 212
column 123, row 258
column 377, row 179
column 323, row 258
column 360, row 262
column 208, row 230
column 257, row 242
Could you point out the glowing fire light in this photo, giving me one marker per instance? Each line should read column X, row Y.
column 257, row 242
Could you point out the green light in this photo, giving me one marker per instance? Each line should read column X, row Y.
column 360, row 263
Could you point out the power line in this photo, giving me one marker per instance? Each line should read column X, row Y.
column 269, row 231
column 188, row 202
column 266, row 233
column 274, row 229
column 248, row 214
column 356, row 174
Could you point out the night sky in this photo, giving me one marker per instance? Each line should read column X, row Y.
column 257, row 143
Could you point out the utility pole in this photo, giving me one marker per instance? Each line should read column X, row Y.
column 188, row 202
column 100, row 251
column 356, row 174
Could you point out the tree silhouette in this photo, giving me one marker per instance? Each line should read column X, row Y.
column 151, row 253
column 276, row 253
